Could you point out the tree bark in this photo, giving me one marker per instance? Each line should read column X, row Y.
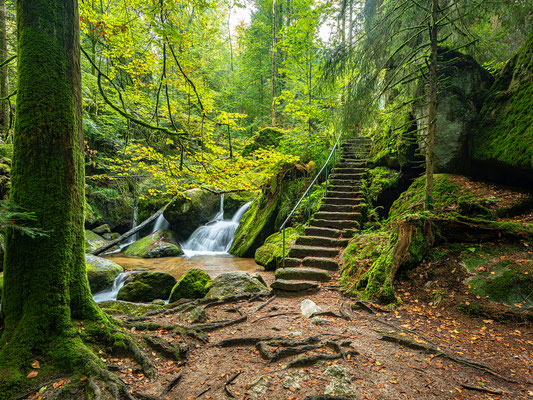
column 273, row 62
column 4, row 107
column 45, row 282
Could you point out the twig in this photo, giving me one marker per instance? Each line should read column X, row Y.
column 265, row 304
column 204, row 392
column 275, row 315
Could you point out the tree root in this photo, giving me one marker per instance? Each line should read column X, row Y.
column 482, row 389
column 301, row 362
column 330, row 314
column 192, row 332
column 228, row 382
column 147, row 367
column 266, row 303
column 213, row 326
column 244, row 341
column 275, row 315
column 172, row 384
column 175, row 352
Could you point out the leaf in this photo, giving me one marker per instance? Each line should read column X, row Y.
column 32, row 374
column 35, row 364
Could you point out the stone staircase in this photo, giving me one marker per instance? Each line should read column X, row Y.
column 314, row 256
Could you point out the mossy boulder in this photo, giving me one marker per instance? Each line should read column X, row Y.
column 101, row 272
column 93, row 241
column 264, row 138
column 270, row 254
column 158, row 244
column 108, row 206
column 193, row 209
column 235, row 284
column 193, row 285
column 502, row 145
column 145, row 287
column 102, row 229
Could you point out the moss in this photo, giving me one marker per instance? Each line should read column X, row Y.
column 127, row 308
column 1, row 287
column 158, row 244
column 270, row 254
column 505, row 133
column 112, row 206
column 264, row 138
column 101, row 272
column 193, row 285
column 146, row 287
column 6, row 150
column 379, row 179
column 93, row 241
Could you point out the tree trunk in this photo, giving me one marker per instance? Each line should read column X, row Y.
column 45, row 282
column 273, row 62
column 430, row 140
column 4, row 107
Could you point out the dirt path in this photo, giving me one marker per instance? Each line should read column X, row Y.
column 371, row 369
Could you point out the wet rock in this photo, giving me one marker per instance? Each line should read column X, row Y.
column 101, row 272
column 308, row 308
column 270, row 254
column 193, row 285
column 158, row 244
column 197, row 315
column 235, row 284
column 93, row 241
column 145, row 287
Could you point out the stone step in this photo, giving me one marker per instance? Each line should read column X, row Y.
column 343, row 195
column 320, row 241
column 292, row 262
column 354, row 177
column 342, row 216
column 335, row 224
column 352, row 160
column 344, row 188
column 324, row 232
column 350, row 165
column 345, row 182
column 340, row 207
column 312, row 251
column 321, row 263
column 302, row 274
column 349, row 170
column 342, row 200
column 292, row 286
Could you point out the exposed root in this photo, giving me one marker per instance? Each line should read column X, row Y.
column 213, row 326
column 97, row 393
column 244, row 341
column 176, row 352
column 193, row 332
column 482, row 389
column 330, row 314
column 172, row 384
column 228, row 382
column 301, row 362
column 275, row 315
column 265, row 304
column 147, row 367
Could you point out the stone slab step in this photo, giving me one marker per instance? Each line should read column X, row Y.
column 338, row 194
column 324, row 232
column 349, row 170
column 345, row 182
column 292, row 286
column 343, row 216
column 342, row 201
column 350, row 165
column 302, row 274
column 335, row 224
column 340, row 207
column 298, row 251
column 328, row 264
column 347, row 176
column 292, row 262
column 320, row 241
column 344, row 188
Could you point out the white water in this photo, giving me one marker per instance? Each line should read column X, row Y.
column 160, row 223
column 216, row 236
column 111, row 294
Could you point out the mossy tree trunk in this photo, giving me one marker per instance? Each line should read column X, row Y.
column 4, row 106
column 45, row 283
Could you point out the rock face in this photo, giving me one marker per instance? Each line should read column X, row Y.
column 145, row 287
column 93, row 241
column 101, row 272
column 501, row 147
column 235, row 284
column 193, row 285
column 159, row 244
column 187, row 213
column 458, row 105
column 269, row 255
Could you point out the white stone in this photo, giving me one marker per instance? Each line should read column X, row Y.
column 309, row 308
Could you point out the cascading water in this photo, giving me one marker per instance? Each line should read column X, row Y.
column 216, row 236
column 160, row 223
column 111, row 294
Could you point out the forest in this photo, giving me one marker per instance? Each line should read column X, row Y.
column 266, row 199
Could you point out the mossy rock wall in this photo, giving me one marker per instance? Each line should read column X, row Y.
column 270, row 254
column 502, row 146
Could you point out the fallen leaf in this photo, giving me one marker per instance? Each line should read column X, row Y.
column 35, row 364
column 32, row 374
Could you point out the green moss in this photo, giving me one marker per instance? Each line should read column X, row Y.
column 379, row 179
column 101, row 272
column 158, row 244
column 505, row 133
column 109, row 205
column 146, row 287
column 93, row 241
column 270, row 254
column 127, row 308
column 6, row 150
column 264, row 138
column 193, row 285
column 1, row 286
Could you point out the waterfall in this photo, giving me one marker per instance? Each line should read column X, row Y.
column 220, row 213
column 160, row 223
column 216, row 236
column 111, row 294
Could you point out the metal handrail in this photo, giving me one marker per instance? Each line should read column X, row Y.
column 282, row 228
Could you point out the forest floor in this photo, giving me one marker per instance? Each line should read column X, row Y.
column 422, row 358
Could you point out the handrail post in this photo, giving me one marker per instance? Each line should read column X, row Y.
column 283, row 253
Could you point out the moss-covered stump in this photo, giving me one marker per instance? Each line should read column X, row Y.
column 235, row 284
column 193, row 285
column 502, row 145
column 264, row 138
column 270, row 254
column 101, row 272
column 93, row 241
column 158, row 244
column 145, row 287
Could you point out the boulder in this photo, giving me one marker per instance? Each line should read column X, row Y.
column 269, row 255
column 193, row 285
column 158, row 244
column 100, row 230
column 108, row 206
column 101, row 272
column 458, row 104
column 192, row 210
column 264, row 138
column 93, row 241
column 235, row 284
column 145, row 287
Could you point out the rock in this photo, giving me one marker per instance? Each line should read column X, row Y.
column 194, row 209
column 295, row 334
column 197, row 315
column 235, row 284
column 259, row 277
column 193, row 285
column 309, row 274
column 100, row 230
column 93, row 241
column 159, row 302
column 308, row 308
column 340, row 384
column 260, row 386
column 101, row 272
column 269, row 255
column 108, row 206
column 264, row 138
column 111, row 236
column 158, row 244
column 292, row 286
column 320, row 321
column 147, row 286
column 293, row 379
